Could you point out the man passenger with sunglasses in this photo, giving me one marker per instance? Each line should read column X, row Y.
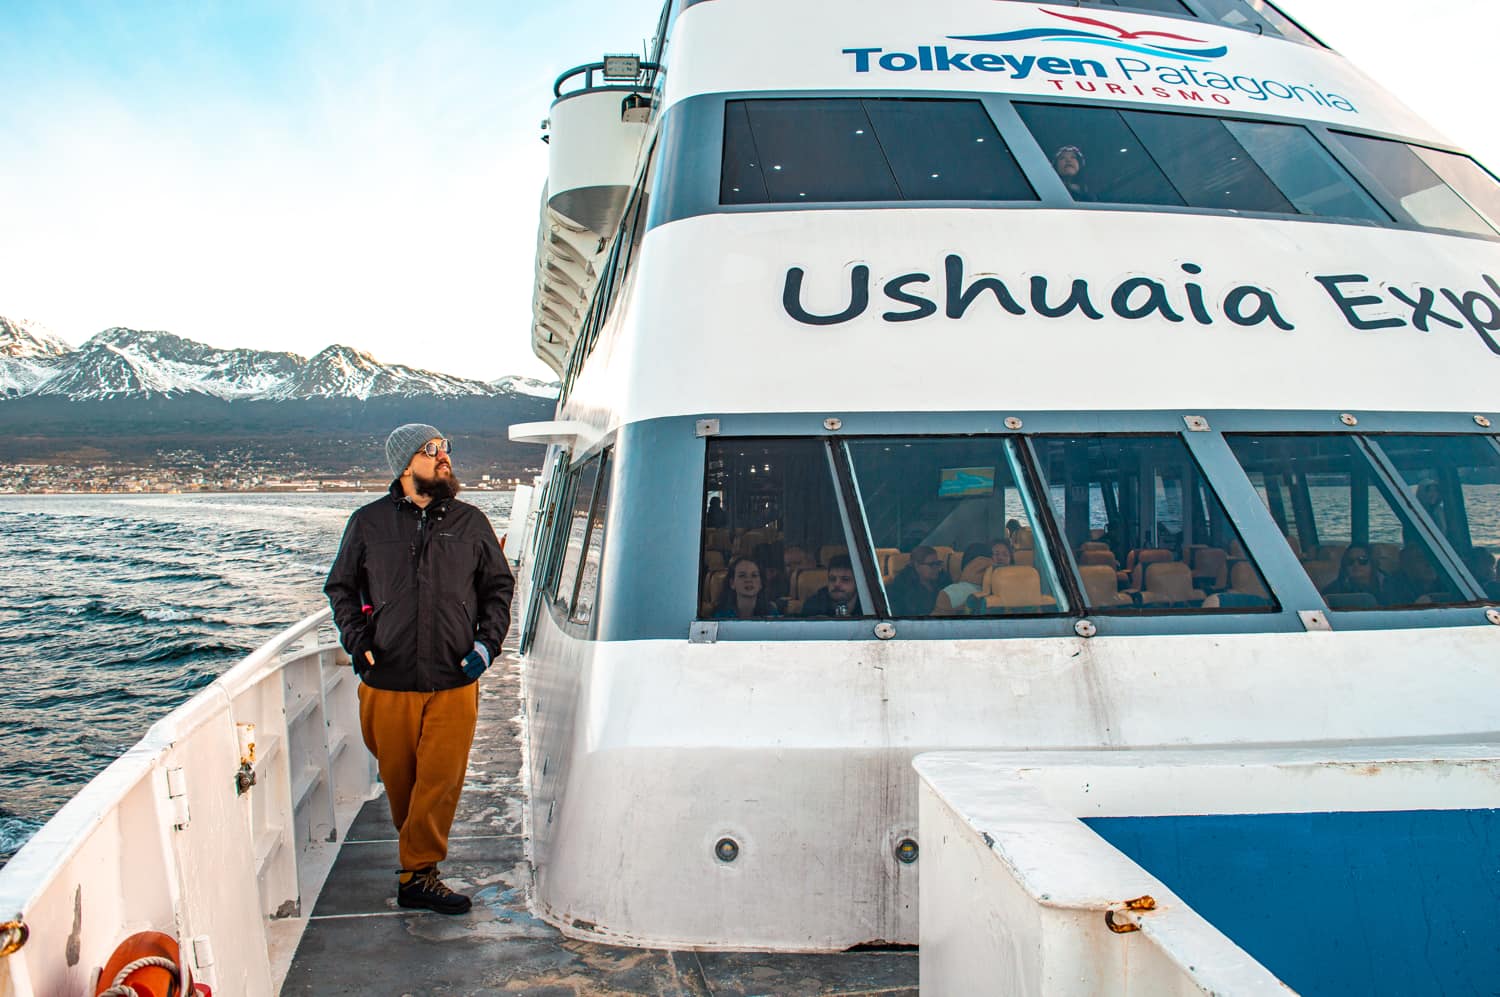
column 421, row 596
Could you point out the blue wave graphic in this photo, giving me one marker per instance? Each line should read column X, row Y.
column 1075, row 35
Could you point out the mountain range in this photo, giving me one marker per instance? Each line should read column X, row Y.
column 137, row 398
column 124, row 363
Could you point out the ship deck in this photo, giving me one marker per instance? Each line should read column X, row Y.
column 357, row 940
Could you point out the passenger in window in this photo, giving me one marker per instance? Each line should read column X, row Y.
column 1416, row 578
column 1002, row 554
column 1012, row 531
column 713, row 517
column 914, row 592
column 953, row 600
column 1069, row 162
column 1431, row 497
column 839, row 597
column 1358, row 576
column 744, row 597
column 794, row 558
column 1482, row 565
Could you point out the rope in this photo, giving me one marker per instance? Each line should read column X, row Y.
column 119, row 988
column 13, row 935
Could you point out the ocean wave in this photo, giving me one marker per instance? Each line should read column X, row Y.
column 15, row 832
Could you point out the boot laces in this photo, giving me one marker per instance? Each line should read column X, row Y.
column 433, row 884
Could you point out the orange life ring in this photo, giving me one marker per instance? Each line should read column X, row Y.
column 147, row 981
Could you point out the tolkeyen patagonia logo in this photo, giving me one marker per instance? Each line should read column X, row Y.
column 1173, row 70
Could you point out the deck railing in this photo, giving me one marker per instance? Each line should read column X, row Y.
column 218, row 827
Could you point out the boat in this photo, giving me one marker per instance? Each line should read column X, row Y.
column 1020, row 517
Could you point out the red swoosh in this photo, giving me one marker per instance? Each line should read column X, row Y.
column 1122, row 33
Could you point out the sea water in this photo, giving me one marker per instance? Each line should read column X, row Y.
column 116, row 609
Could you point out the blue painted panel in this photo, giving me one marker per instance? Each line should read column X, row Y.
column 1404, row 902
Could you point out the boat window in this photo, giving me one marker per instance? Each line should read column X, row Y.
column 1146, row 531
column 1356, row 542
column 773, row 538
column 1151, row 157
column 953, row 528
column 804, row 151
column 1472, row 181
column 1412, row 177
column 1456, row 481
column 593, row 547
column 578, row 524
column 1238, row 14
column 1175, row 7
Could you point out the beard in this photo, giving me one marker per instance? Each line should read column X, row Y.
column 438, row 487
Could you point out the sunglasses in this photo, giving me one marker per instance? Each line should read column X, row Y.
column 433, row 448
column 1359, row 559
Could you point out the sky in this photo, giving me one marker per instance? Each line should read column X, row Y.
column 288, row 174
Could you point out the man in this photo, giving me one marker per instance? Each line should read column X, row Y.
column 914, row 591
column 839, row 597
column 421, row 596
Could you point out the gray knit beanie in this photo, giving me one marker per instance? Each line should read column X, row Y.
column 404, row 442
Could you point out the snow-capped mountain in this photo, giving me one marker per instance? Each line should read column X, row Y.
column 128, row 363
column 341, row 372
column 29, row 355
column 516, row 385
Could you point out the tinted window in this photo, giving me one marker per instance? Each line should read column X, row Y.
column 577, row 531
column 1146, row 157
column 772, row 533
column 1473, row 183
column 1255, row 15
column 1146, row 531
column 820, row 150
column 1407, row 178
column 955, row 532
column 1356, row 542
column 1456, row 481
column 593, row 548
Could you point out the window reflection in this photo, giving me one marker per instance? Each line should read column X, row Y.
column 811, row 150
column 593, row 549
column 1145, row 529
column 578, row 524
column 1355, row 541
column 1409, row 178
column 1456, row 482
column 954, row 531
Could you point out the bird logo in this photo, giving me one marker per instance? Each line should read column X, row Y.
column 1189, row 48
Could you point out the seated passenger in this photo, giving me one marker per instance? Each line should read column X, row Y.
column 952, row 600
column 1482, row 564
column 1002, row 554
column 1358, row 575
column 1416, row 578
column 794, row 558
column 915, row 590
column 839, row 597
column 744, row 598
column 1068, row 161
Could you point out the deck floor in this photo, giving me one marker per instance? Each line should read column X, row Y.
column 359, row 942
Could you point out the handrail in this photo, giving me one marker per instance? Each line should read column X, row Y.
column 642, row 82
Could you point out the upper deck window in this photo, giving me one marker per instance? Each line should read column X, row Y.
column 1438, row 189
column 1148, row 157
column 804, row 151
column 1259, row 16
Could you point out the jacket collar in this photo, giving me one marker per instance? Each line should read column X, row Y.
column 398, row 495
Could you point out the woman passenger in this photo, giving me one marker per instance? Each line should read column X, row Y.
column 953, row 599
column 1358, row 575
column 744, row 597
column 1002, row 555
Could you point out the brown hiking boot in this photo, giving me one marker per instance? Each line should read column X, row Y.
column 421, row 888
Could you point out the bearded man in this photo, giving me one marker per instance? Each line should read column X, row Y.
column 421, row 596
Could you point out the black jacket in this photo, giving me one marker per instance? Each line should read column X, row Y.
column 436, row 582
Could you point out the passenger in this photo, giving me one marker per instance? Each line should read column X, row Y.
column 1358, row 575
column 1068, row 161
column 1431, row 498
column 744, row 598
column 1482, row 564
column 953, row 600
column 1012, row 531
column 794, row 558
column 1415, row 578
column 914, row 591
column 839, row 597
column 1002, row 554
column 714, row 516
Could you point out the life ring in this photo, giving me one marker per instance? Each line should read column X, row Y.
column 146, row 964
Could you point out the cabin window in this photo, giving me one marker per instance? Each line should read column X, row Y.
column 1438, row 189
column 1149, row 157
column 593, row 548
column 1174, row 7
column 954, row 530
column 578, row 523
column 773, row 536
column 1253, row 15
column 807, row 151
column 1455, row 480
column 1146, row 531
column 1354, row 538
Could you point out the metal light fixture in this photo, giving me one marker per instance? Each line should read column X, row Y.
column 622, row 67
